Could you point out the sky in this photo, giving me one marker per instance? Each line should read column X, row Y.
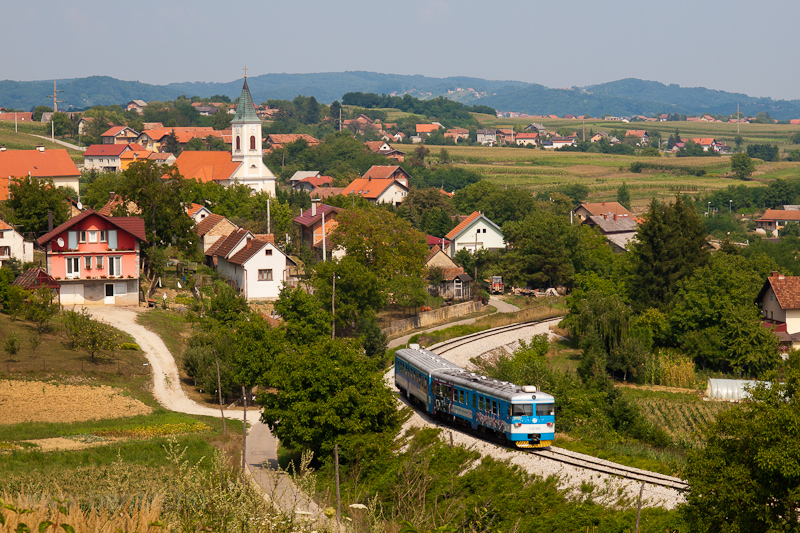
column 734, row 46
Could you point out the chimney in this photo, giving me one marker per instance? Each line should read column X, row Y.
column 615, row 218
column 247, row 244
column 40, row 147
column 774, row 273
column 111, row 196
column 314, row 207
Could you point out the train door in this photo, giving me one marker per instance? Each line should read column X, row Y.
column 442, row 397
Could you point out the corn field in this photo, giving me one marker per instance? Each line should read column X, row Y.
column 682, row 420
column 670, row 369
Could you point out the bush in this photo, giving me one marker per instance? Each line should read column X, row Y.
column 12, row 344
column 128, row 346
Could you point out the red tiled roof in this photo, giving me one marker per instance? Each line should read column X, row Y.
column 132, row 225
column 112, row 150
column 370, row 188
column 205, row 166
column 286, row 138
column 787, row 290
column 306, row 219
column 464, row 223
column 317, row 181
column 427, row 128
column 207, row 224
column 781, row 214
column 113, row 203
column 256, row 245
column 224, row 245
column 46, row 164
column 18, row 116
column 527, row 135
column 635, row 133
column 602, row 208
column 194, row 208
column 704, row 141
column 34, row 278
column 437, row 241
column 115, row 130
column 184, row 134
column 383, row 171
column 4, row 225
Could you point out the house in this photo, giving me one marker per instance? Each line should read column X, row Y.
column 779, row 300
column 641, row 135
column 197, row 212
column 599, row 136
column 17, row 116
column 162, row 158
column 586, row 210
column 708, row 143
column 446, row 277
column 109, row 157
column 487, row 137
column 474, row 233
column 381, row 184
column 527, row 139
column 13, row 245
column 227, row 245
column 538, row 128
column 96, row 258
column 326, row 192
column 259, row 269
column 119, row 135
column 316, row 225
column 303, row 174
column 133, row 155
column 423, row 130
column 619, row 230
column 211, row 228
column 506, row 135
column 560, row 142
column 114, row 201
column 311, row 183
column 775, row 219
column 155, row 139
column 457, row 134
column 280, row 140
column 386, row 150
column 55, row 165
column 136, row 105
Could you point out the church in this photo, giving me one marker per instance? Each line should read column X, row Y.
column 244, row 164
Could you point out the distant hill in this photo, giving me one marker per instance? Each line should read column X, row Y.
column 623, row 97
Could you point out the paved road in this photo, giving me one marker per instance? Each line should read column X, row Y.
column 502, row 307
column 262, row 447
column 62, row 143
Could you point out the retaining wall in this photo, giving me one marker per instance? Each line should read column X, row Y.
column 429, row 318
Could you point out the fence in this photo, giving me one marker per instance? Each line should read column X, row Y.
column 429, row 318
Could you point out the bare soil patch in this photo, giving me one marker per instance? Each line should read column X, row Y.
column 37, row 401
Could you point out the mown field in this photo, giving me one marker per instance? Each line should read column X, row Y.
column 23, row 140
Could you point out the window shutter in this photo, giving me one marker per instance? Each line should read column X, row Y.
column 73, row 240
column 112, row 239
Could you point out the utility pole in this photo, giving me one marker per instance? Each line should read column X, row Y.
column 333, row 306
column 54, row 96
column 219, row 390
column 340, row 118
column 244, row 429
column 738, row 118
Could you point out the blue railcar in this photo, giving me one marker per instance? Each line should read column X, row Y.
column 521, row 415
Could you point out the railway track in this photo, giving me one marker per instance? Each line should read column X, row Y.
column 588, row 462
column 446, row 346
column 560, row 455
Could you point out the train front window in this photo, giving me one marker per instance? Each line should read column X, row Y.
column 545, row 409
column 523, row 409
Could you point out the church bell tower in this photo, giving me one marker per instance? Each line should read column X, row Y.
column 246, row 131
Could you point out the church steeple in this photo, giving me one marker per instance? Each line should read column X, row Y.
column 246, row 130
column 245, row 110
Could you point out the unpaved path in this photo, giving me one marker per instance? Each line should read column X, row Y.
column 262, row 446
column 501, row 306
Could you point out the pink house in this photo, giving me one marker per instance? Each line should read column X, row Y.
column 96, row 258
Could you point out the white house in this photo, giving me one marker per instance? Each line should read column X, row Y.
column 475, row 232
column 487, row 137
column 13, row 245
column 259, row 269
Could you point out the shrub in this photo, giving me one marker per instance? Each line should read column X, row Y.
column 12, row 344
column 128, row 346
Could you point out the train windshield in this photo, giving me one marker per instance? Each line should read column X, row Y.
column 521, row 409
column 544, row 409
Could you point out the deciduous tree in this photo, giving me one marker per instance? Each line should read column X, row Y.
column 31, row 199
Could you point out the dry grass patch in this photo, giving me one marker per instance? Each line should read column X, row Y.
column 36, row 401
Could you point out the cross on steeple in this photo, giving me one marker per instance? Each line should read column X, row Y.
column 245, row 72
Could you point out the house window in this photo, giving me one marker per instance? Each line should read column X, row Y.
column 103, row 236
column 115, row 266
column 265, row 274
column 72, row 240
column 112, row 239
column 238, row 143
column 92, row 236
column 83, row 237
column 87, row 262
column 98, row 261
column 73, row 267
column 268, row 251
column 252, row 142
column 5, row 251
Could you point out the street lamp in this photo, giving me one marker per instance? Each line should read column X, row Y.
column 730, row 206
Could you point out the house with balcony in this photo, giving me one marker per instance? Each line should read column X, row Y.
column 96, row 259
column 13, row 245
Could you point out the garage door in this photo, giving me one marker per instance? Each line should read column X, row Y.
column 72, row 294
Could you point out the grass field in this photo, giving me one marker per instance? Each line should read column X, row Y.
column 22, row 140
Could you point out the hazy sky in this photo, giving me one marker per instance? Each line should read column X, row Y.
column 733, row 45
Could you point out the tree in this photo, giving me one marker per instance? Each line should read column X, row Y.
column 624, row 195
column 669, row 247
column 305, row 320
column 225, row 305
column 88, row 334
column 765, row 152
column 31, row 199
column 197, row 144
column 41, row 306
column 38, row 111
column 328, row 393
column 158, row 201
column 742, row 165
column 795, row 138
column 334, row 110
column 62, row 125
column 746, row 477
column 171, row 144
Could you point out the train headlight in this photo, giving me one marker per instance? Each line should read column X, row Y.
column 517, row 424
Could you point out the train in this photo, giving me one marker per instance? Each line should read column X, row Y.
column 520, row 416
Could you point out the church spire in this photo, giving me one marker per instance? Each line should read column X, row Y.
column 245, row 110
